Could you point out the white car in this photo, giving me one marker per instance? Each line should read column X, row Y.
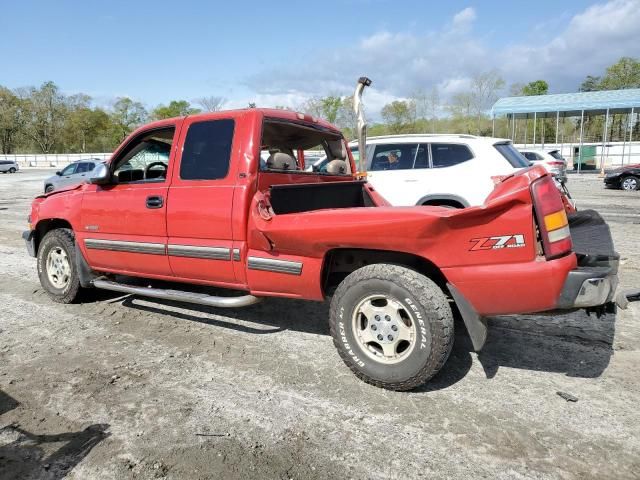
column 549, row 159
column 449, row 170
column 9, row 166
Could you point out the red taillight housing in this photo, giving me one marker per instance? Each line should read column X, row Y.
column 552, row 218
column 556, row 164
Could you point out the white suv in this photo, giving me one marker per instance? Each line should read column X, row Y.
column 549, row 159
column 450, row 170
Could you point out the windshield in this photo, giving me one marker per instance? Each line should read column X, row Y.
column 512, row 155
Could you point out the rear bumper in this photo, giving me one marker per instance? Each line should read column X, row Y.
column 595, row 280
column 589, row 286
column 29, row 239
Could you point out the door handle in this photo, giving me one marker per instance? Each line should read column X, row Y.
column 154, row 202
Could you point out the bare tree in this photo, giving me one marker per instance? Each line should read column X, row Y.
column 484, row 92
column 211, row 103
column 427, row 105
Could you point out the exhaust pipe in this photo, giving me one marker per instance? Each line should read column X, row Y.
column 358, row 108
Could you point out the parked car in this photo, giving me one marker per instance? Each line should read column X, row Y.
column 9, row 166
column 218, row 216
column 626, row 178
column 552, row 160
column 436, row 169
column 76, row 172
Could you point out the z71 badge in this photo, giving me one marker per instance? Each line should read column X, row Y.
column 495, row 243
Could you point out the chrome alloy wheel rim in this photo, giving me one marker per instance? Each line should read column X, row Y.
column 384, row 329
column 58, row 268
column 630, row 184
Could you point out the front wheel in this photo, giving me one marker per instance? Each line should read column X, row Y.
column 630, row 183
column 48, row 189
column 392, row 326
column 12, row 170
column 57, row 266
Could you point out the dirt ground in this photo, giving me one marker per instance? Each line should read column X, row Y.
column 127, row 388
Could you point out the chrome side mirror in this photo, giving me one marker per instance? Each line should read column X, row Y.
column 100, row 175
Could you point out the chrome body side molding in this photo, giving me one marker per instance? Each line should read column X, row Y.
column 193, row 251
column 273, row 265
column 125, row 246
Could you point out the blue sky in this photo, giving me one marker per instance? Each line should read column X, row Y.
column 282, row 52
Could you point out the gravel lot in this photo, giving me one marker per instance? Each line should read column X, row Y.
column 122, row 387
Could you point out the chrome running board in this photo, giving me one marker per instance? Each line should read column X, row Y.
column 178, row 295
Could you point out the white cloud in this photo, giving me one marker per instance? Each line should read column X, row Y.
column 464, row 18
column 400, row 63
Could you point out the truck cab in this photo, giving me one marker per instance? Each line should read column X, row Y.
column 224, row 199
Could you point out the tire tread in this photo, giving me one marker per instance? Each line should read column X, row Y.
column 428, row 294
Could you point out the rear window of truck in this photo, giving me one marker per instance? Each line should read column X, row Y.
column 512, row 155
column 207, row 150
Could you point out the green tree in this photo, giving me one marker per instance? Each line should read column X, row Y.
column 126, row 115
column 12, row 120
column 399, row 115
column 625, row 73
column 176, row 108
column 537, row 87
column 46, row 111
column 86, row 129
column 590, row 84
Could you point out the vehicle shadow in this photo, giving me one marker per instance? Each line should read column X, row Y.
column 27, row 455
column 575, row 344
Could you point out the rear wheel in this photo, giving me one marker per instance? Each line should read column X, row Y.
column 57, row 266
column 630, row 183
column 392, row 326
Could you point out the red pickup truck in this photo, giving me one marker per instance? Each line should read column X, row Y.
column 223, row 199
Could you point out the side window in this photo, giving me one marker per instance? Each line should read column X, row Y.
column 449, row 154
column 422, row 157
column 207, row 150
column 69, row 169
column 146, row 158
column 399, row 156
column 529, row 155
column 84, row 167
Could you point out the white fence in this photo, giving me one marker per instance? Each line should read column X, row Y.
column 614, row 154
column 52, row 160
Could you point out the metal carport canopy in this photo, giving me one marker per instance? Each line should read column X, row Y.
column 569, row 104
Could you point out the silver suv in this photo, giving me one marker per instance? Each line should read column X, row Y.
column 72, row 174
column 10, row 166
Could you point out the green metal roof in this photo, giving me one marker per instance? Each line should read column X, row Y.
column 617, row 101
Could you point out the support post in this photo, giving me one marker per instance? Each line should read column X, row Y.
column 535, row 123
column 493, row 125
column 557, row 127
column 604, row 141
column 580, row 147
column 526, row 129
column 513, row 128
column 631, row 135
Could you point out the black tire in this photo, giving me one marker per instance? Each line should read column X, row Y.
column 417, row 295
column 12, row 170
column 48, row 188
column 61, row 239
column 632, row 181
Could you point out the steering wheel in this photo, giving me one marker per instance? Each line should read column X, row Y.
column 155, row 164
